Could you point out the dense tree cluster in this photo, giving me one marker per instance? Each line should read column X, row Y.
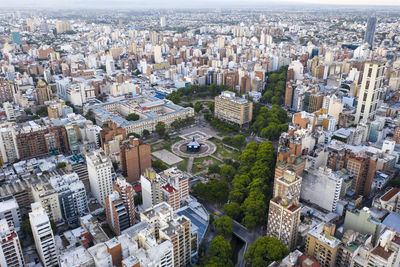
column 219, row 254
column 214, row 190
column 250, row 184
column 264, row 251
column 196, row 91
column 276, row 86
column 224, row 225
column 221, row 125
column 269, row 123
column 238, row 141
column 179, row 123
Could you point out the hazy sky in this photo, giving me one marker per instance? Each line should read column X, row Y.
column 182, row 3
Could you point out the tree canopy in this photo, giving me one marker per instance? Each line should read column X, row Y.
column 269, row 123
column 250, row 184
column 132, row 117
column 219, row 254
column 224, row 225
column 160, row 128
column 264, row 251
column 214, row 190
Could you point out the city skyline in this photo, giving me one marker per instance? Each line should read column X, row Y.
column 132, row 4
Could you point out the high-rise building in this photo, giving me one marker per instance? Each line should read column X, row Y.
column 322, row 187
column 10, row 112
column 157, row 54
column 47, row 196
column 99, row 171
column 163, row 22
column 8, row 142
column 9, row 210
column 7, row 90
column 43, row 92
column 289, row 183
column 172, row 227
column 322, row 245
column 283, row 220
column 151, row 188
column 71, row 194
column 120, row 206
column 34, row 141
column 363, row 170
column 371, row 91
column 233, row 109
column 10, row 247
column 370, row 32
column 43, row 235
column 63, row 26
column 171, row 186
column 135, row 158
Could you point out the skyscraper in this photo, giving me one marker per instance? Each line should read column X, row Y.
column 10, row 247
column 371, row 91
column 43, row 235
column 120, row 207
column 99, row 170
column 135, row 158
column 370, row 31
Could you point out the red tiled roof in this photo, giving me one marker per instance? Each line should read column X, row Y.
column 391, row 193
column 380, row 251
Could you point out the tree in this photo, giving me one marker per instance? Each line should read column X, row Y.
column 254, row 209
column 132, row 117
column 227, row 172
column 233, row 210
column 214, row 190
column 224, row 225
column 158, row 165
column 115, row 165
column 61, row 165
column 145, row 133
column 211, row 106
column 264, row 251
column 160, row 128
column 138, row 199
column 28, row 111
column 26, row 229
column 198, row 107
column 214, row 169
column 220, row 253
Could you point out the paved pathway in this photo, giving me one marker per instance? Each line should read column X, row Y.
column 189, row 165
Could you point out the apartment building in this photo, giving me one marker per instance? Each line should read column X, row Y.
column 135, row 158
column 171, row 186
column 120, row 207
column 99, row 171
column 11, row 254
column 172, row 227
column 9, row 210
column 43, row 235
column 233, row 109
column 322, row 245
column 283, row 220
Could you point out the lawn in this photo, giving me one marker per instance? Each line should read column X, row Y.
column 165, row 144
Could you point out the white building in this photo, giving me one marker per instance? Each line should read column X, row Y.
column 371, row 91
column 322, row 187
column 99, row 171
column 10, row 247
column 8, row 142
column 9, row 210
column 9, row 109
column 43, row 235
